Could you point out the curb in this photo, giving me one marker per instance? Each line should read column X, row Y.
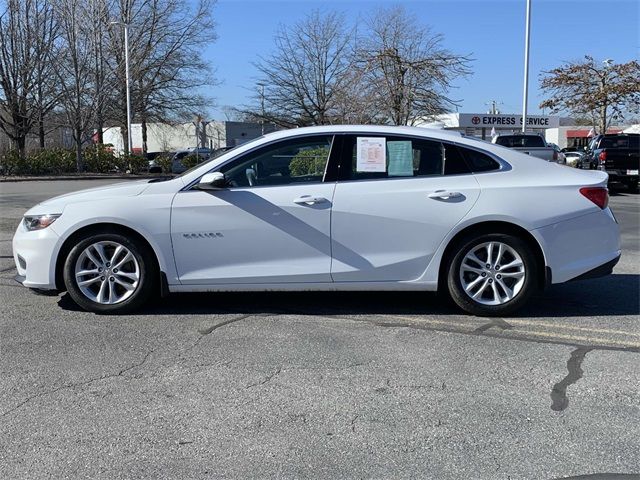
column 78, row 177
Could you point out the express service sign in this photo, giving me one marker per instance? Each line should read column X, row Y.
column 477, row 120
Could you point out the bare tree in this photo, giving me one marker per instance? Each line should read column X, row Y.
column 408, row 72
column 302, row 80
column 165, row 50
column 27, row 35
column 604, row 92
column 73, row 70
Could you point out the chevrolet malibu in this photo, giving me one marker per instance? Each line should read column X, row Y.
column 329, row 208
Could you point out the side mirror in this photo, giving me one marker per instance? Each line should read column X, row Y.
column 212, row 181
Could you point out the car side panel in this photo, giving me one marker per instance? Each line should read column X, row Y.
column 150, row 218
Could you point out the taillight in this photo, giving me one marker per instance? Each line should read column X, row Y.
column 598, row 195
column 602, row 157
column 555, row 156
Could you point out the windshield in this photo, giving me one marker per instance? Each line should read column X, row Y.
column 520, row 141
column 215, row 157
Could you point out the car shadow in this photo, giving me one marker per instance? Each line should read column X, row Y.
column 614, row 295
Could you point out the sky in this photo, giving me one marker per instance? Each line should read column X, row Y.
column 491, row 31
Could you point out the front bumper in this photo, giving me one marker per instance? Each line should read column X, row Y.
column 34, row 254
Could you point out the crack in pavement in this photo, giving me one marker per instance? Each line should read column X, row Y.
column 575, row 372
column 353, row 423
column 207, row 331
column 78, row 384
column 268, row 378
column 211, row 329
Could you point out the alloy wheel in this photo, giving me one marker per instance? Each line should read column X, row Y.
column 106, row 272
column 492, row 273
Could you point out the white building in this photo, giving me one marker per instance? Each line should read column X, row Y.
column 164, row 137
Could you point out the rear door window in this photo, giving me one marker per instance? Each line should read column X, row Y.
column 369, row 157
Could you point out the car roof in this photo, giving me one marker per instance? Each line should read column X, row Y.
column 389, row 129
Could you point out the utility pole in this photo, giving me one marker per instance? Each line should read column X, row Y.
column 494, row 107
column 527, row 37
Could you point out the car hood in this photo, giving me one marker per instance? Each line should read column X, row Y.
column 122, row 189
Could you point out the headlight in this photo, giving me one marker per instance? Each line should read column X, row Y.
column 38, row 222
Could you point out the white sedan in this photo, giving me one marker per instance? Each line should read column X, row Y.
column 329, row 208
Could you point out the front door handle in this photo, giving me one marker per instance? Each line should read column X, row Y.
column 444, row 194
column 309, row 200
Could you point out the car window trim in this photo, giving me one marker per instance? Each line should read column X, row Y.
column 190, row 187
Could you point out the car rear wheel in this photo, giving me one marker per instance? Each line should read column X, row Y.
column 110, row 273
column 492, row 274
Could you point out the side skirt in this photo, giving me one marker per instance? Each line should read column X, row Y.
column 304, row 287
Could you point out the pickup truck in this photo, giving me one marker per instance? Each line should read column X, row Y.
column 618, row 155
column 530, row 144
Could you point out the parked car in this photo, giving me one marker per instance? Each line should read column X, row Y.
column 574, row 159
column 356, row 208
column 152, row 166
column 529, row 143
column 560, row 156
column 176, row 163
column 618, row 155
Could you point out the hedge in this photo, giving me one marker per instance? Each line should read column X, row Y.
column 56, row 161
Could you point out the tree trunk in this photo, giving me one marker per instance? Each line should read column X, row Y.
column 603, row 119
column 78, row 139
column 20, row 145
column 144, row 135
column 41, row 131
column 100, row 128
column 125, row 138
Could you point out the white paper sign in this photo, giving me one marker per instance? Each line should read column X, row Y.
column 371, row 154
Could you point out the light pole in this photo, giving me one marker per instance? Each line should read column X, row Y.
column 126, row 72
column 526, row 66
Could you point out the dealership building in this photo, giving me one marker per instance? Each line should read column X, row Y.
column 558, row 130
column 482, row 124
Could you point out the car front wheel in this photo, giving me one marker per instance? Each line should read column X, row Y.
column 109, row 273
column 492, row 274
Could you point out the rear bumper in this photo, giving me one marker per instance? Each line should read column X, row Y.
column 575, row 247
column 600, row 271
column 622, row 176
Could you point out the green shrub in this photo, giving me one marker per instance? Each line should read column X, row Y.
column 100, row 159
column 52, row 161
column 191, row 161
column 11, row 163
column 164, row 161
column 309, row 162
column 134, row 163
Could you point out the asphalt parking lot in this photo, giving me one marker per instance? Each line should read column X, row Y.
column 320, row 385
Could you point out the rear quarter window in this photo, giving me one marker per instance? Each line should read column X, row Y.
column 478, row 161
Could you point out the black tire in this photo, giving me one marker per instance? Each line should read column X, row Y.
column 148, row 274
column 633, row 187
column 464, row 300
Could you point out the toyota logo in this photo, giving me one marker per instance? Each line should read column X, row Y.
column 475, row 120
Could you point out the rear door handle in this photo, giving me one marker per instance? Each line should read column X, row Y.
column 309, row 200
column 444, row 194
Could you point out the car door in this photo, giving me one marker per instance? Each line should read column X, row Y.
column 388, row 220
column 271, row 225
